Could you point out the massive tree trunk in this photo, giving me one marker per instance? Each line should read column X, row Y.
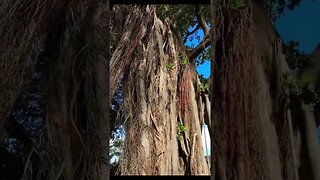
column 260, row 130
column 235, row 130
column 67, row 41
column 161, row 95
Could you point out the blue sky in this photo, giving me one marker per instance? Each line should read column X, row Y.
column 205, row 67
column 302, row 25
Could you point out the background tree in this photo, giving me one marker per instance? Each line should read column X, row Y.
column 261, row 130
column 53, row 105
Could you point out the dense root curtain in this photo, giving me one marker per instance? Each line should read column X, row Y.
column 160, row 100
column 73, row 37
column 235, row 129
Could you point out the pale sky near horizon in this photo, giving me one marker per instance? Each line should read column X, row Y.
column 206, row 141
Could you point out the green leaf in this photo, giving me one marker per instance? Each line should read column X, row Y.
column 184, row 62
column 170, row 66
column 238, row 4
column 182, row 128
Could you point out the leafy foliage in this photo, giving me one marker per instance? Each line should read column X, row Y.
column 183, row 22
column 115, row 148
column 297, row 61
column 203, row 57
column 204, row 84
column 293, row 4
column 113, row 39
column 238, row 4
column 300, row 88
column 290, row 81
column 277, row 7
column 170, row 66
column 184, row 61
column 183, row 58
column 117, row 131
column 187, row 25
column 181, row 130
column 300, row 83
column 115, row 151
column 186, row 21
column 297, row 80
column 204, row 87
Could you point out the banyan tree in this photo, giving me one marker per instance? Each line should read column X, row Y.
column 58, row 80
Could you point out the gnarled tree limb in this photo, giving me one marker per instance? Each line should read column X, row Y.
column 200, row 48
column 202, row 21
column 189, row 33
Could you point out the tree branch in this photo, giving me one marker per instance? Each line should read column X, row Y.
column 202, row 21
column 179, row 12
column 200, row 48
column 178, row 35
column 189, row 33
column 173, row 25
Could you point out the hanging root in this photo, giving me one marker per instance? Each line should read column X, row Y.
column 236, row 129
column 23, row 27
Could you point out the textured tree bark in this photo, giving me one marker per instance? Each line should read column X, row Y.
column 160, row 92
column 312, row 140
column 77, row 126
column 235, row 129
column 277, row 131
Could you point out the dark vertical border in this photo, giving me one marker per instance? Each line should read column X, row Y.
column 107, row 85
column 212, row 55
